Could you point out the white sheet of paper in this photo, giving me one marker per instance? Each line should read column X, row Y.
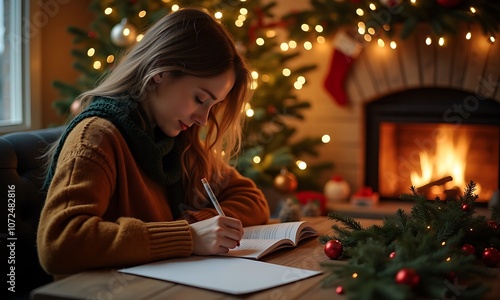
column 225, row 274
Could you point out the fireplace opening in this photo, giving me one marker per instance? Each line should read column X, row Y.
column 436, row 140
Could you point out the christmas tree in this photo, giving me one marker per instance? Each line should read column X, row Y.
column 267, row 146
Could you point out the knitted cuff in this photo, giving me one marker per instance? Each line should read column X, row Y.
column 169, row 239
column 200, row 215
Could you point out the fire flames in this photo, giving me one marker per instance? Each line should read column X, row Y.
column 448, row 158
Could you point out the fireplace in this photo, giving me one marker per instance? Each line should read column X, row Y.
column 436, row 139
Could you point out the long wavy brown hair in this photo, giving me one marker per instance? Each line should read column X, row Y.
column 187, row 42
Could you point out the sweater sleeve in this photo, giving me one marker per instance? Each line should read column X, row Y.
column 239, row 198
column 74, row 233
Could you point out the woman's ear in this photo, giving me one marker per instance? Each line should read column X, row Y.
column 158, row 77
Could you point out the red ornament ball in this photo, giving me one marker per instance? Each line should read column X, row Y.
column 491, row 257
column 465, row 207
column 468, row 248
column 333, row 249
column 339, row 290
column 449, row 3
column 492, row 224
column 407, row 276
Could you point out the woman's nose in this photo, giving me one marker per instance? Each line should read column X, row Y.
column 200, row 116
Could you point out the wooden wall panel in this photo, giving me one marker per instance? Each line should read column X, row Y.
column 379, row 73
column 491, row 74
column 426, row 57
column 460, row 52
column 444, row 62
column 365, row 75
column 476, row 60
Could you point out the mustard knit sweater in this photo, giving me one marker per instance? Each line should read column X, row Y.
column 103, row 211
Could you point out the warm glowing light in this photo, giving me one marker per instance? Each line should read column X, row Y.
column 371, row 30
column 126, row 31
column 320, row 39
column 308, row 45
column 139, row 37
column 393, row 45
column 255, row 75
column 367, row 37
column 372, row 6
column 256, row 159
column 244, row 11
column 360, row 12
column 318, row 28
column 265, row 78
column 97, row 65
column 301, row 164
column 448, row 258
column 286, row 72
column 110, row 59
column 284, row 46
column 325, row 138
column 218, row 15
column 260, row 41
column 297, row 85
column 443, row 243
column 468, row 36
column 175, row 7
column 238, row 23
column 90, row 52
column 429, row 227
column 108, row 11
column 305, row 27
column 354, row 275
column 380, row 43
column 249, row 112
column 473, row 9
column 361, row 30
column 441, row 41
column 301, row 79
column 492, row 39
column 386, row 27
column 142, row 14
column 428, row 41
column 270, row 33
column 449, row 159
column 413, row 2
column 254, row 85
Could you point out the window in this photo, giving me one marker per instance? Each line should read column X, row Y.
column 14, row 65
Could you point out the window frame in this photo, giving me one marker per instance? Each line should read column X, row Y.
column 18, row 38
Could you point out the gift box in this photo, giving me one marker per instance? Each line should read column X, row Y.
column 365, row 197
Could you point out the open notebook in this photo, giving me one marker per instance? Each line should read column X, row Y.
column 261, row 240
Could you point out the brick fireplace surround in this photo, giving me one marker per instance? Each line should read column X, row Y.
column 469, row 66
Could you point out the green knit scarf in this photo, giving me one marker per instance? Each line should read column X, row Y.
column 153, row 151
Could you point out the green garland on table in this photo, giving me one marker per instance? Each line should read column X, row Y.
column 426, row 247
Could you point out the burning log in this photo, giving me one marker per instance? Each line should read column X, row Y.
column 423, row 189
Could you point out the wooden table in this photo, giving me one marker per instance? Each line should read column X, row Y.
column 110, row 284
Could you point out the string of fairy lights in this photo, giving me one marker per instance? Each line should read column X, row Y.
column 124, row 34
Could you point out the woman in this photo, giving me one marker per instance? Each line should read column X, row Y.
column 124, row 186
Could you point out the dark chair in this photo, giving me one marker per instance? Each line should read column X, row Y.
column 21, row 178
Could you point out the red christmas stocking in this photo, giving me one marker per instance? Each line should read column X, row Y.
column 346, row 49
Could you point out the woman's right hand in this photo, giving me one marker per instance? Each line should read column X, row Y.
column 216, row 235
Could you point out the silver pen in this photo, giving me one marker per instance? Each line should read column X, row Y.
column 212, row 197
